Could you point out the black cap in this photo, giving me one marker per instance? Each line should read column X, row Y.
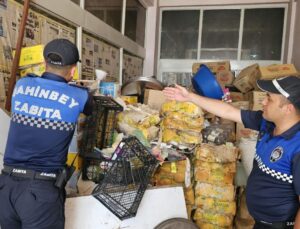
column 288, row 86
column 61, row 52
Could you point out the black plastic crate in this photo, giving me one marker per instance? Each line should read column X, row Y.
column 126, row 181
column 95, row 166
column 100, row 126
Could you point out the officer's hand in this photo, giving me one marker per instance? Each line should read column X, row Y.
column 177, row 93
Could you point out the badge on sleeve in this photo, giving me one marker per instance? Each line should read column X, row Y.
column 276, row 154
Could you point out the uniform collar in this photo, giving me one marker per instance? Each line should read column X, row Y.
column 287, row 134
column 292, row 131
column 51, row 76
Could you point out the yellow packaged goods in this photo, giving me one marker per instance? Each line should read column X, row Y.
column 31, row 55
column 215, row 173
column 189, row 195
column 212, row 153
column 204, row 225
column 173, row 167
column 213, row 218
column 171, row 173
column 78, row 160
column 37, row 69
column 213, row 66
column 189, row 209
column 224, row 192
column 277, row 70
column 186, row 108
column 216, row 205
column 129, row 99
column 181, row 137
column 195, row 125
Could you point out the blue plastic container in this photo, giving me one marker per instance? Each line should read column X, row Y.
column 206, row 84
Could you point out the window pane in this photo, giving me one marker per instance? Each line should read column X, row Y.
column 135, row 21
column 220, row 34
column 262, row 36
column 109, row 11
column 179, row 34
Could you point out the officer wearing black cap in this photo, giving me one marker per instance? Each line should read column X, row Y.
column 44, row 114
column 273, row 187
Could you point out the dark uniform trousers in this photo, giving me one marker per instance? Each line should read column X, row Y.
column 30, row 203
column 280, row 225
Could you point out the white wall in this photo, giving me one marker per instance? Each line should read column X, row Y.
column 150, row 39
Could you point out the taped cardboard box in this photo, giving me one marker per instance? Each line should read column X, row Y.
column 246, row 80
column 242, row 132
column 213, row 66
column 237, row 96
column 2, row 101
column 154, row 98
column 241, row 105
column 224, row 78
column 277, row 70
column 256, row 98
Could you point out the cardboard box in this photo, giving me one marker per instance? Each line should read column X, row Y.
column 213, row 66
column 241, row 105
column 277, row 70
column 255, row 99
column 247, row 78
column 2, row 102
column 237, row 96
column 154, row 98
column 242, row 132
column 2, row 87
column 225, row 78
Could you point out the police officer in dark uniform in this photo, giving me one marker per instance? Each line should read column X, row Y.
column 44, row 114
column 273, row 187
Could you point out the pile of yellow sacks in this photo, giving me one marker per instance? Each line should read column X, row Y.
column 214, row 170
column 182, row 123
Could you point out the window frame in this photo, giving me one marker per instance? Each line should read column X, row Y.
column 185, row 65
